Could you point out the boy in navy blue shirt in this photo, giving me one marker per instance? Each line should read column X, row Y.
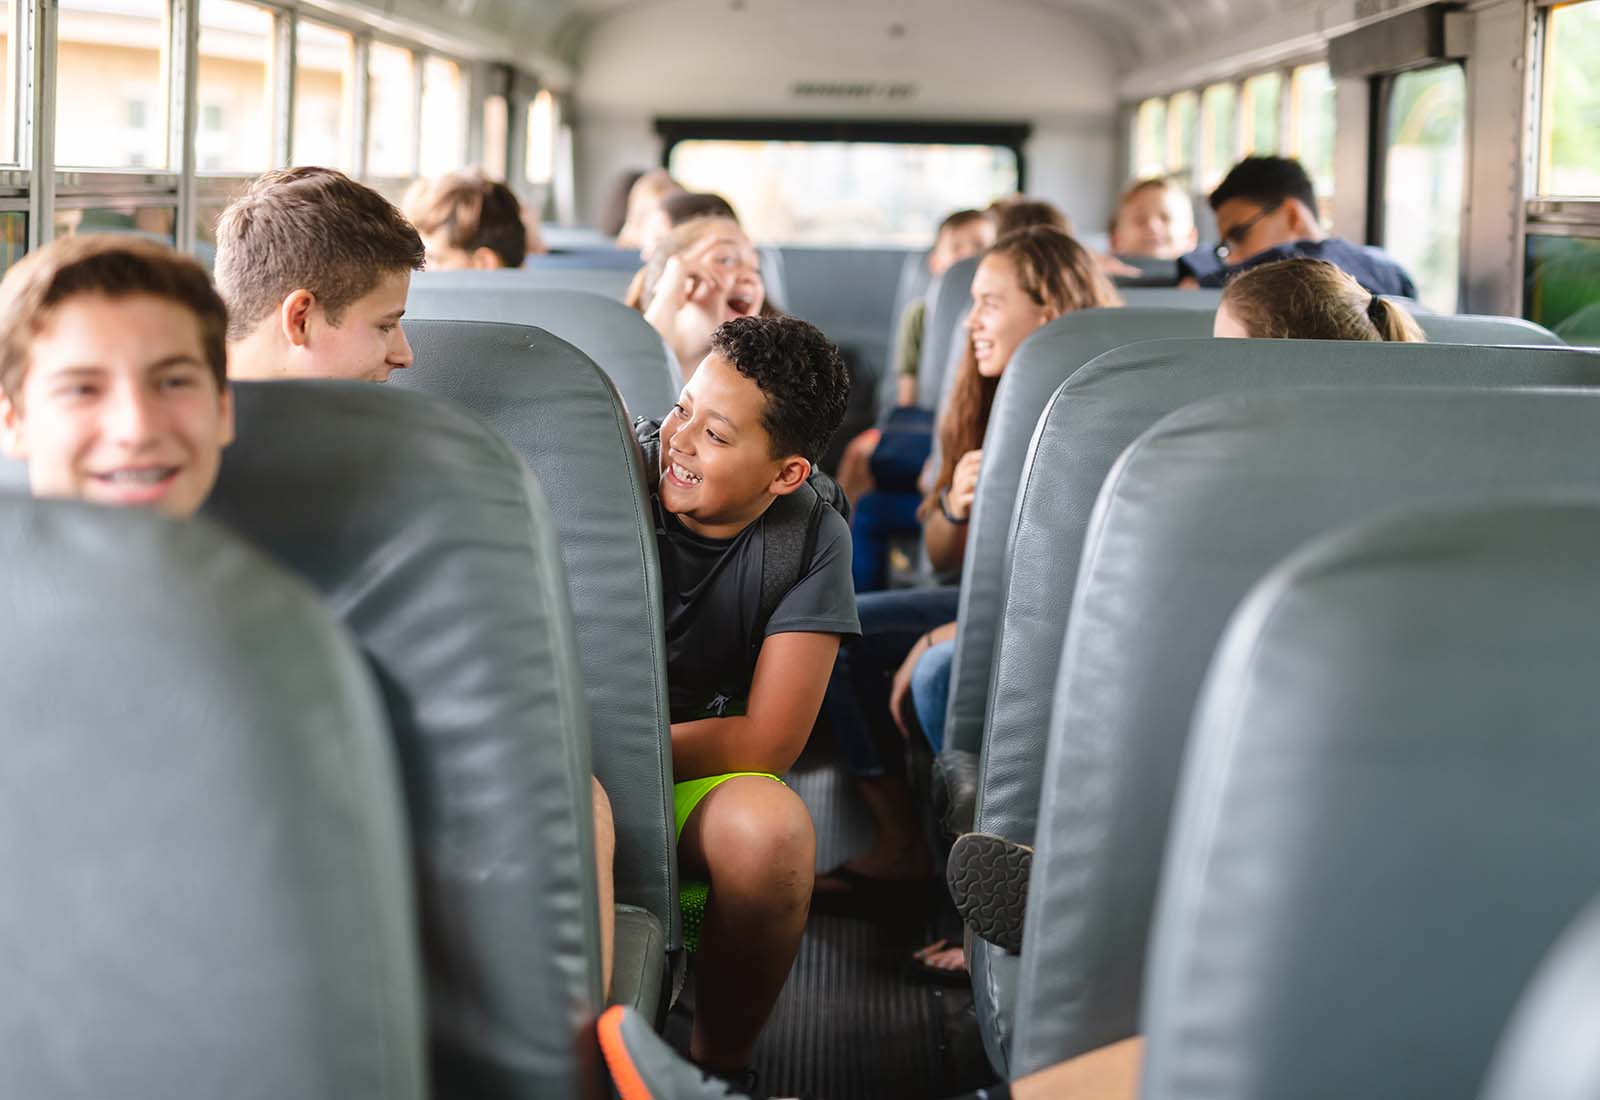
column 1266, row 210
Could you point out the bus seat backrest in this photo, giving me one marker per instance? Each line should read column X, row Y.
column 600, row 258
column 1040, row 364
column 1195, row 511
column 607, row 282
column 562, row 416
column 434, row 545
column 617, row 338
column 1389, row 814
column 1086, row 424
column 1466, row 328
column 1549, row 1050
column 200, row 822
column 1171, row 297
column 948, row 298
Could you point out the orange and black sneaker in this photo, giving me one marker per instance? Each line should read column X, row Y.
column 644, row 1067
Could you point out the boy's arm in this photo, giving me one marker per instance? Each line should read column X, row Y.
column 785, row 694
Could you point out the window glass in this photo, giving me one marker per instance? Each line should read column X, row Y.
column 542, row 124
column 1263, row 102
column 324, row 96
column 843, row 192
column 444, row 114
column 155, row 222
column 111, row 109
column 1219, row 133
column 1183, row 117
column 1423, row 166
column 1562, row 274
column 1150, row 139
column 1569, row 149
column 13, row 238
column 496, row 135
column 234, row 130
column 391, row 117
column 1311, row 109
column 8, row 121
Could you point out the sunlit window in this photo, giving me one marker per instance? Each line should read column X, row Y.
column 845, row 192
column 111, row 109
column 111, row 216
column 8, row 122
column 391, row 115
column 1562, row 274
column 1219, row 130
column 13, row 238
column 1183, row 117
column 1423, row 166
column 1150, row 138
column 324, row 96
column 1261, row 114
column 542, row 125
column 1569, row 146
column 444, row 116
column 1312, row 118
column 496, row 135
column 234, row 131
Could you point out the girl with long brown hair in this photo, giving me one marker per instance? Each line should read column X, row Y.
column 1306, row 299
column 1024, row 281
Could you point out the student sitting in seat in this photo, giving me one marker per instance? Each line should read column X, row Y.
column 644, row 197
column 468, row 221
column 1025, row 281
column 113, row 374
column 676, row 208
column 1303, row 299
column 1266, row 210
column 703, row 273
column 735, row 455
column 1154, row 220
column 315, row 268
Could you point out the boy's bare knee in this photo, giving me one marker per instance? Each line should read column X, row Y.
column 765, row 845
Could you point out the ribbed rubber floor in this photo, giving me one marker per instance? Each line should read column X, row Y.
column 849, row 1026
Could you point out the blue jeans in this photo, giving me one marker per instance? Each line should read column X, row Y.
column 857, row 701
column 930, row 691
column 876, row 517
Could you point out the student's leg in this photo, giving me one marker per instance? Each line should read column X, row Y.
column 605, row 852
column 857, row 705
column 877, row 517
column 930, row 691
column 752, row 839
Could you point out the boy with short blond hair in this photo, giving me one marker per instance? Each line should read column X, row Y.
column 315, row 269
column 113, row 374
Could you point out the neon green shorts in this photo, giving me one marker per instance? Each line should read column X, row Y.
column 688, row 794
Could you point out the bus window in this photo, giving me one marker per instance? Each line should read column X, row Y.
column 845, row 192
column 391, row 112
column 444, row 114
column 234, row 130
column 324, row 96
column 1183, row 119
column 8, row 112
column 542, row 128
column 111, row 216
column 1422, row 171
column 1311, row 125
column 111, row 107
column 1262, row 111
column 1219, row 148
column 1561, row 276
column 1569, row 146
column 496, row 136
column 1150, row 139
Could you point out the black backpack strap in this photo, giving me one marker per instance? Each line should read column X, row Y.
column 789, row 540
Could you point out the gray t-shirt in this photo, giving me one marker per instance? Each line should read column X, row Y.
column 711, row 589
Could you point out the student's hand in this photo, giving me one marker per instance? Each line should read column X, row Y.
column 1109, row 265
column 900, row 707
column 964, row 485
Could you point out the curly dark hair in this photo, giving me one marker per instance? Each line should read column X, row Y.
column 801, row 373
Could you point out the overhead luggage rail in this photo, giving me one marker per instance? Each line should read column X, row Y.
column 1387, row 816
column 200, row 820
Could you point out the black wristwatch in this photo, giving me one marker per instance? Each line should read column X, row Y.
column 944, row 508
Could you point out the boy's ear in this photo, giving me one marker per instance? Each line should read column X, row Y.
column 226, row 400
column 11, row 441
column 792, row 474
column 1302, row 219
column 294, row 317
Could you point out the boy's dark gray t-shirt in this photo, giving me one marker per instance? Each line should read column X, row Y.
column 711, row 592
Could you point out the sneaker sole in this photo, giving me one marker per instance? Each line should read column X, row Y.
column 988, row 879
column 624, row 1074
